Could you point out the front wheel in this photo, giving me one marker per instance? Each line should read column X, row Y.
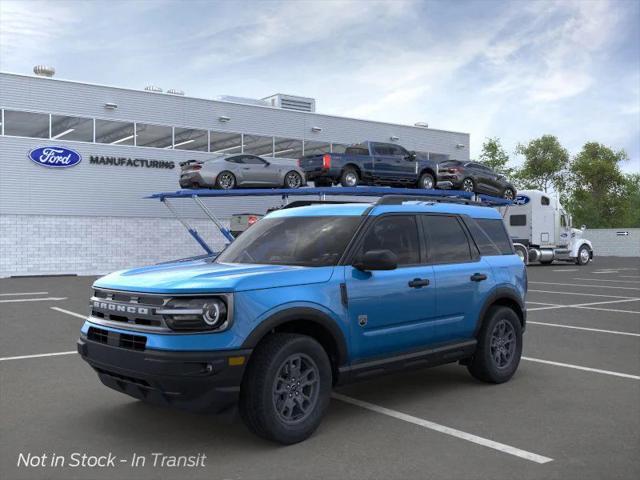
column 292, row 180
column 584, row 255
column 499, row 346
column 285, row 390
column 508, row 194
column 427, row 182
column 468, row 185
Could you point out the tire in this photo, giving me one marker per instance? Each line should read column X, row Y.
column 427, row 181
column 225, row 180
column 495, row 361
column 323, row 182
column 292, row 180
column 468, row 185
column 508, row 194
column 522, row 252
column 584, row 255
column 263, row 412
column 546, row 262
column 349, row 177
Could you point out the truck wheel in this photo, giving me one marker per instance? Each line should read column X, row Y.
column 584, row 255
column 426, row 181
column 508, row 194
column 349, row 178
column 468, row 185
column 522, row 252
column 225, row 180
column 499, row 346
column 285, row 390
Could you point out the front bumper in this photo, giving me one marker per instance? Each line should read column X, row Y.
column 195, row 381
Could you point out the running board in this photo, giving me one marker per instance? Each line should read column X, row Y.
column 420, row 359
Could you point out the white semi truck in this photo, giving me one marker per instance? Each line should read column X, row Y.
column 541, row 230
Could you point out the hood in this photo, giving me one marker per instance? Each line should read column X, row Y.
column 203, row 276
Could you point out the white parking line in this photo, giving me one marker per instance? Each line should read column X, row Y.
column 73, row 314
column 22, row 293
column 629, row 276
column 22, row 357
column 533, row 457
column 603, row 280
column 566, row 270
column 583, row 294
column 43, row 299
column 540, row 303
column 615, row 332
column 582, row 285
column 609, row 310
column 579, row 367
column 586, row 305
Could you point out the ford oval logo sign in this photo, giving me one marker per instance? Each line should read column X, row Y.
column 55, row 157
column 521, row 200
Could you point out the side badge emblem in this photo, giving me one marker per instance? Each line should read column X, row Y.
column 362, row 320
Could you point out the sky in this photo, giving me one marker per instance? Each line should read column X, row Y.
column 514, row 70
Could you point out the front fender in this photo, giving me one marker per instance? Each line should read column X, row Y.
column 576, row 246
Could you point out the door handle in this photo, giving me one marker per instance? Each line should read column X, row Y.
column 478, row 277
column 418, row 283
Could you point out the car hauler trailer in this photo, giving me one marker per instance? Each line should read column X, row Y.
column 541, row 230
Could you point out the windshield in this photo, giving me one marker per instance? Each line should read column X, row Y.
column 303, row 241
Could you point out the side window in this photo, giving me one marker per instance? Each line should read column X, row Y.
column 447, row 241
column 518, row 220
column 490, row 236
column 381, row 149
column 545, row 201
column 238, row 159
column 251, row 160
column 397, row 150
column 398, row 233
column 563, row 221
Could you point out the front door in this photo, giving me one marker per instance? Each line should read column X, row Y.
column 391, row 311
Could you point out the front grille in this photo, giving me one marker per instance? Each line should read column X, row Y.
column 115, row 339
column 132, row 309
column 123, row 378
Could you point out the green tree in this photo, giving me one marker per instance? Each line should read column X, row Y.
column 599, row 194
column 545, row 164
column 495, row 157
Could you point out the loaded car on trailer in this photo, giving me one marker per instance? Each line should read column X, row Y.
column 542, row 231
column 475, row 177
column 308, row 298
column 372, row 163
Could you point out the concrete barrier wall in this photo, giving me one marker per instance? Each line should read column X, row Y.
column 614, row 242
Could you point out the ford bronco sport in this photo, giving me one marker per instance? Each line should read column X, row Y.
column 309, row 298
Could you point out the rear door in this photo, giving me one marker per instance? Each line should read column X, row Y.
column 391, row 311
column 384, row 161
column 463, row 279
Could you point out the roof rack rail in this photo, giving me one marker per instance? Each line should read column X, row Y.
column 398, row 199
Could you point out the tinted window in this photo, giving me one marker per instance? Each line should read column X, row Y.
column 340, row 148
column 315, row 148
column 396, row 233
column 287, row 148
column 447, row 242
column 357, row 151
column 71, row 128
column 382, row 150
column 114, row 132
column 191, row 139
column 518, row 220
column 239, row 159
column 157, row 136
column 490, row 236
column 544, row 201
column 304, row 241
column 227, row 143
column 258, row 145
column 26, row 124
column 398, row 150
column 251, row 160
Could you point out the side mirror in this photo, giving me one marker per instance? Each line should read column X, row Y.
column 377, row 260
column 411, row 157
column 583, row 228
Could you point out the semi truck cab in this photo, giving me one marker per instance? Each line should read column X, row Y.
column 542, row 231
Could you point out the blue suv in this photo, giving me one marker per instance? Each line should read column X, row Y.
column 309, row 298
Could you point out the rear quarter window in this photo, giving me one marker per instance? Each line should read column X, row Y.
column 490, row 236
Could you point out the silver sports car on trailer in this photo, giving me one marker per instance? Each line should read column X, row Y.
column 243, row 170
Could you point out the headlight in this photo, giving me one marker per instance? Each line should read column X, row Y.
column 196, row 314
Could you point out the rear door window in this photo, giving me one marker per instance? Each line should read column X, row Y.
column 490, row 236
column 447, row 241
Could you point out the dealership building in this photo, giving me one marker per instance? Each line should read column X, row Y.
column 91, row 217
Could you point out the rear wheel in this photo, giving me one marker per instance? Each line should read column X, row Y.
column 285, row 390
column 508, row 194
column 292, row 180
column 226, row 180
column 427, row 181
column 349, row 177
column 499, row 346
column 584, row 255
column 468, row 185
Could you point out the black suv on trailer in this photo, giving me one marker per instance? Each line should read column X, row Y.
column 475, row 177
